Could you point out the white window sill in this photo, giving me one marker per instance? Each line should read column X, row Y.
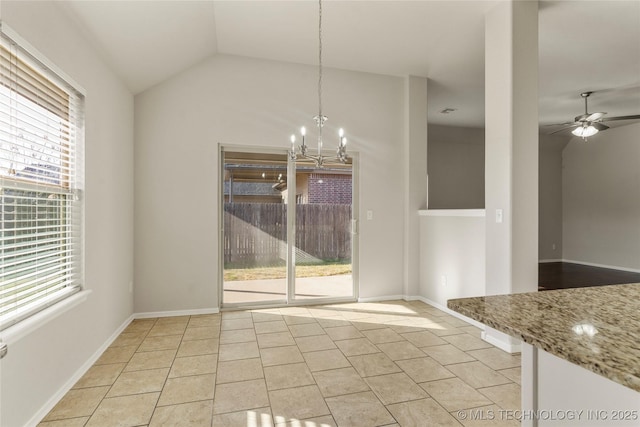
column 25, row 327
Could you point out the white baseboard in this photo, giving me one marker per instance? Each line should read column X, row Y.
column 591, row 264
column 612, row 267
column 502, row 345
column 196, row 312
column 38, row 416
column 508, row 347
column 382, row 298
column 447, row 310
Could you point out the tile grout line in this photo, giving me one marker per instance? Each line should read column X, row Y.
column 155, row 406
column 123, row 369
column 264, row 375
column 456, row 330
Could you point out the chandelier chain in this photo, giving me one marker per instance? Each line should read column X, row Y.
column 319, row 159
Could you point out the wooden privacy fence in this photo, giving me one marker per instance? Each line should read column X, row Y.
column 256, row 233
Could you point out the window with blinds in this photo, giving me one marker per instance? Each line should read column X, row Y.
column 41, row 130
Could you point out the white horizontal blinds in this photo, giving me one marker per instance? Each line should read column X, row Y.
column 41, row 120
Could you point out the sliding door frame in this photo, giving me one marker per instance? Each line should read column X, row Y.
column 291, row 231
column 289, row 299
column 222, row 148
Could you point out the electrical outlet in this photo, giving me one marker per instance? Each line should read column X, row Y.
column 369, row 215
column 498, row 216
column 443, row 280
column 553, row 247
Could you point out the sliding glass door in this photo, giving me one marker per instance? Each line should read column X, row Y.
column 287, row 230
column 254, row 243
column 323, row 232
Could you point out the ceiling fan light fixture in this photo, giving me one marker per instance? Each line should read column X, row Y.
column 588, row 124
column 585, row 131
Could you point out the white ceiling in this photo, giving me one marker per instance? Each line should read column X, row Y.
column 146, row 42
column 584, row 45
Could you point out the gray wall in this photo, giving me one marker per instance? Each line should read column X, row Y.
column 45, row 361
column 601, row 199
column 234, row 100
column 456, row 178
column 455, row 165
column 550, row 196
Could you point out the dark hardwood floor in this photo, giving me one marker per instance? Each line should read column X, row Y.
column 562, row 275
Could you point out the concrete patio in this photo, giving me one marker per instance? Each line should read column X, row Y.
column 250, row 291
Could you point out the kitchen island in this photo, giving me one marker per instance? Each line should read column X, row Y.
column 581, row 350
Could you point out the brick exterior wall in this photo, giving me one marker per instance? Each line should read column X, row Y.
column 328, row 188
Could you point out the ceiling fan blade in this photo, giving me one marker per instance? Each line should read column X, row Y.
column 594, row 116
column 573, row 125
column 561, row 124
column 599, row 126
column 609, row 119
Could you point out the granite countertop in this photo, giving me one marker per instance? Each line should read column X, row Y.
column 597, row 328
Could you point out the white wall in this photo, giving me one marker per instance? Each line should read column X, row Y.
column 453, row 247
column 415, row 170
column 456, row 167
column 511, row 148
column 39, row 364
column 235, row 100
column 566, row 388
column 601, row 199
column 550, row 196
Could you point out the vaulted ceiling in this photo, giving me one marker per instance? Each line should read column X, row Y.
column 583, row 45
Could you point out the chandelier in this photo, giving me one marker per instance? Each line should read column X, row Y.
column 302, row 151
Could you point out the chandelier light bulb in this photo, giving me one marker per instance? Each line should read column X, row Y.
column 303, row 131
column 341, row 133
column 293, row 139
column 344, row 142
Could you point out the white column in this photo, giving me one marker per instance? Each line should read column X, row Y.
column 511, row 152
column 415, row 177
column 529, row 380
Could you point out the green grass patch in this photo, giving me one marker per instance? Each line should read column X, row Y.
column 280, row 272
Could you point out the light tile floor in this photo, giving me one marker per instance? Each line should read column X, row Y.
column 363, row 364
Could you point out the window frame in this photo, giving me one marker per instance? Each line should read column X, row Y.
column 69, row 190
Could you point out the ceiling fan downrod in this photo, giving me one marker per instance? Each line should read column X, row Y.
column 585, row 95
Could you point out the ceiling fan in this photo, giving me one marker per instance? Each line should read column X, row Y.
column 588, row 124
